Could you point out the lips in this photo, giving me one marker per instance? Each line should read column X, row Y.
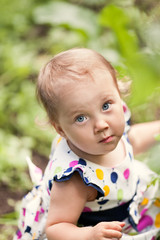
column 107, row 139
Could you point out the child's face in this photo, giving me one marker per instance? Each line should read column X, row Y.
column 91, row 116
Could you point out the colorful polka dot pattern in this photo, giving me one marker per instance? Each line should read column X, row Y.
column 113, row 182
column 99, row 174
column 106, row 190
column 116, row 186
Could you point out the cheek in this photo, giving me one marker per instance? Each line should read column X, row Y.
column 74, row 134
column 120, row 122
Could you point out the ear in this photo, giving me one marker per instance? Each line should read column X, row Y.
column 58, row 129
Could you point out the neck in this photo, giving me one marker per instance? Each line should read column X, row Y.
column 109, row 159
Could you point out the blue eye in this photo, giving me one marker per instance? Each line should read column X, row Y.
column 80, row 119
column 106, row 106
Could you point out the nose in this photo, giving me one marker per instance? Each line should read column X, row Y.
column 100, row 125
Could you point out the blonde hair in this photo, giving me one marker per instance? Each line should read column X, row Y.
column 72, row 65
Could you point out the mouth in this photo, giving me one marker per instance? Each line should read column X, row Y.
column 107, row 139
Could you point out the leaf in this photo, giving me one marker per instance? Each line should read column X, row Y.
column 66, row 14
column 152, row 160
column 113, row 16
column 142, row 70
column 118, row 21
column 9, row 218
column 157, row 137
column 145, row 78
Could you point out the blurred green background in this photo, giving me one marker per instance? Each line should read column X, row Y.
column 126, row 32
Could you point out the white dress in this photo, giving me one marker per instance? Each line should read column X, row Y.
column 127, row 192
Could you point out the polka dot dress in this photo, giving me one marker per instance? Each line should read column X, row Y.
column 127, row 192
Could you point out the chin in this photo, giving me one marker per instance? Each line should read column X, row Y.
column 111, row 148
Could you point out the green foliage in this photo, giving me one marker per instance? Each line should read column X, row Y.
column 142, row 67
column 152, row 158
column 19, row 133
column 10, row 218
column 12, row 155
column 69, row 16
column 157, row 137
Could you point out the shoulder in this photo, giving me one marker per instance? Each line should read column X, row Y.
column 74, row 186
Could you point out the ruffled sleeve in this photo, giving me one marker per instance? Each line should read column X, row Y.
column 64, row 163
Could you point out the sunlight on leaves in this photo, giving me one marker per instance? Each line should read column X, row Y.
column 63, row 13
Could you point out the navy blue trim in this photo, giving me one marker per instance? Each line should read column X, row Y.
column 50, row 185
column 28, row 229
column 131, row 221
column 129, row 122
column 85, row 180
column 114, row 214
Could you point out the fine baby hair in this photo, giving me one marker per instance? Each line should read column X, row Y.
column 93, row 188
column 74, row 65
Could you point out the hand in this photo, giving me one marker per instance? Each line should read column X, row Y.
column 107, row 230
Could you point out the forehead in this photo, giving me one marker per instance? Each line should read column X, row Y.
column 99, row 77
column 77, row 95
column 90, row 77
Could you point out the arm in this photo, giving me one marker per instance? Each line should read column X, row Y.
column 142, row 135
column 67, row 202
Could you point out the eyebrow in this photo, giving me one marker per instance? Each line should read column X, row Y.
column 81, row 109
column 76, row 112
column 107, row 97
